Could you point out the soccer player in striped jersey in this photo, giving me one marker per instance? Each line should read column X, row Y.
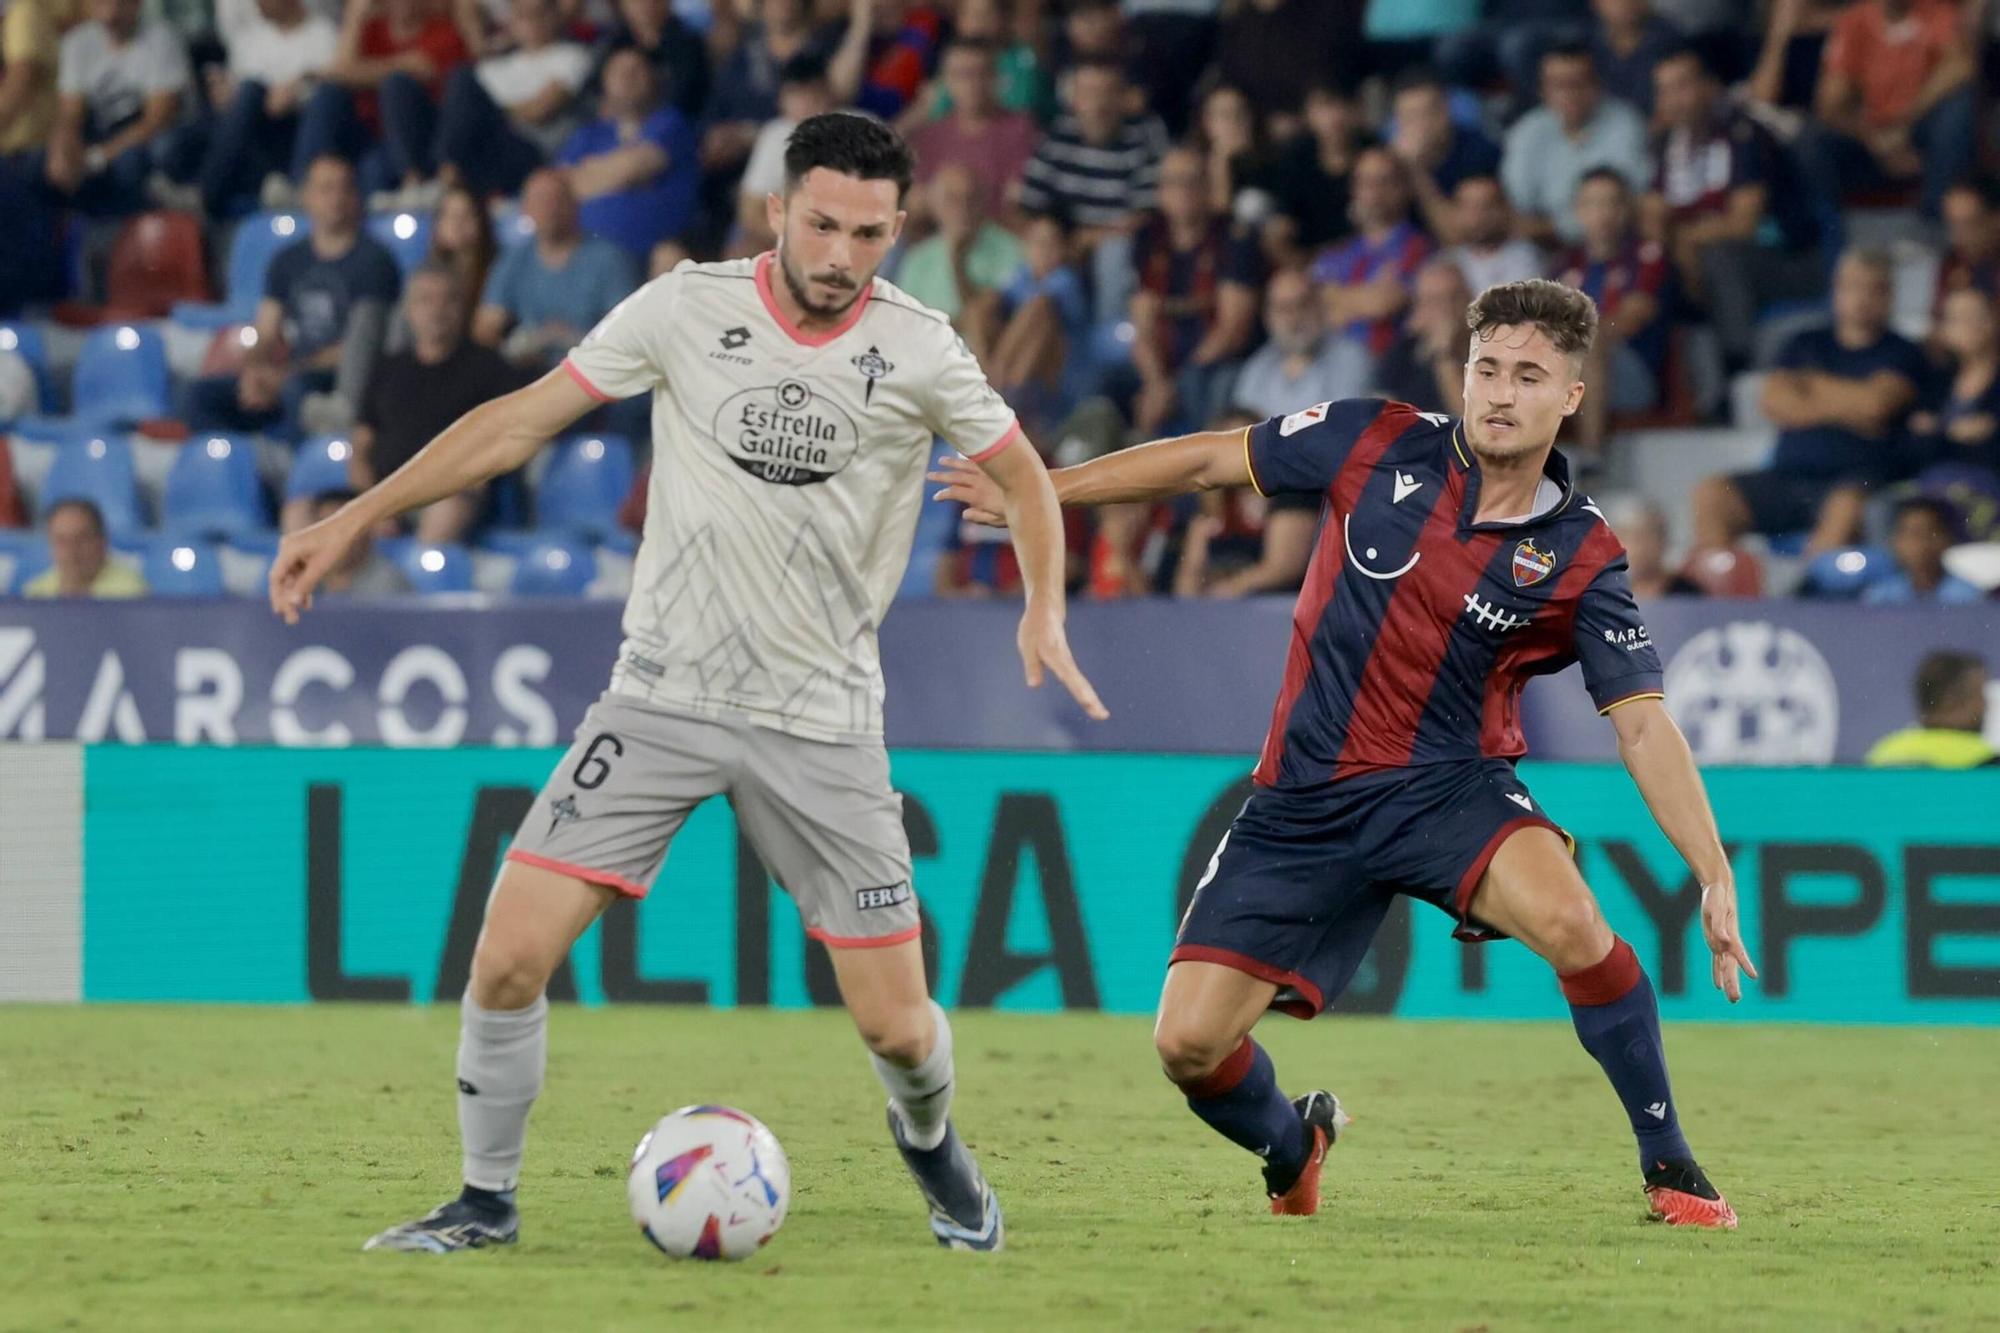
column 1455, row 561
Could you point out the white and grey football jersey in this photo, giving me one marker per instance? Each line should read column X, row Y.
column 787, row 477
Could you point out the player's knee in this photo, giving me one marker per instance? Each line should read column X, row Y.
column 1188, row 1053
column 901, row 1036
column 507, row 973
column 1572, row 933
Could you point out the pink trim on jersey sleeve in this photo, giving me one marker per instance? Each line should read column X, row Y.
column 1012, row 434
column 583, row 382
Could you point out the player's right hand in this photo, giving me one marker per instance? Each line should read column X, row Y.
column 304, row 557
column 966, row 483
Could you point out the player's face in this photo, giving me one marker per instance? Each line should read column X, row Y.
column 833, row 232
column 1518, row 389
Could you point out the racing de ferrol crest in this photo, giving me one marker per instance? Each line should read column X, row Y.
column 1531, row 564
column 873, row 366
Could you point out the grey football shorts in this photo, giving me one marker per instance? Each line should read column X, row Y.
column 821, row 816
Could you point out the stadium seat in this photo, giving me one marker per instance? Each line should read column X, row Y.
column 98, row 469
column 584, row 485
column 407, row 236
column 24, row 553
column 435, row 569
column 1845, row 574
column 555, row 568
column 320, row 465
column 122, row 377
column 156, row 263
column 182, row 569
column 212, row 489
column 25, row 341
column 257, row 240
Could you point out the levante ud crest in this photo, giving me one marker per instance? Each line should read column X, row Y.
column 1531, row 564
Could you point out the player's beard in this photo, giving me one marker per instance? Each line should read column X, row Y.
column 803, row 294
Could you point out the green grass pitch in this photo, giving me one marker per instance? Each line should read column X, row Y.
column 205, row 1169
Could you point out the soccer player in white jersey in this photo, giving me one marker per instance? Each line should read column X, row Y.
column 795, row 400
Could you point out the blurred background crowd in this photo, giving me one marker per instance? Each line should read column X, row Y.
column 254, row 253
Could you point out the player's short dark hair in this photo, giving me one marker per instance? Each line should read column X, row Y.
column 802, row 68
column 1940, row 678
column 1611, row 174
column 88, row 508
column 851, row 144
column 1944, row 512
column 1567, row 316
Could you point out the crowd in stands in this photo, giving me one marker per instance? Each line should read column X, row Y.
column 291, row 239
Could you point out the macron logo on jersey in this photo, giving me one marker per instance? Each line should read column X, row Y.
column 1299, row 420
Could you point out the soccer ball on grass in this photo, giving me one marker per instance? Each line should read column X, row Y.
column 709, row 1182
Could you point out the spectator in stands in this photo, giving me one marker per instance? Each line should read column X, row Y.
column 80, row 558
column 1895, row 104
column 1232, row 147
column 277, row 50
column 1627, row 276
column 1717, row 188
column 414, row 395
column 1951, row 718
column 1173, row 44
column 1437, row 153
column 803, row 92
column 1045, row 313
column 545, row 294
column 1839, row 396
column 1921, row 530
column 1957, row 433
column 386, row 84
column 634, row 168
column 1365, row 281
column 363, row 572
column 1425, row 366
column 1100, row 164
column 903, row 38
column 961, row 269
column 1196, row 308
column 121, row 82
column 745, row 95
column 1627, row 42
column 1488, row 252
column 1972, row 240
column 993, row 143
column 1020, row 70
column 462, row 240
column 1576, row 128
column 666, row 257
column 315, row 290
column 675, row 51
column 1300, row 363
column 1641, row 527
column 29, row 51
column 1243, row 544
column 508, row 114
column 1312, row 177
column 1273, row 49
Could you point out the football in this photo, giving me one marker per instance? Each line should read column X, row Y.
column 709, row 1182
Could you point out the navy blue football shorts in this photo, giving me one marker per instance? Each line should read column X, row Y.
column 1299, row 885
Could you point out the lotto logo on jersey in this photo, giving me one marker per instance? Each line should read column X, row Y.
column 786, row 434
column 1299, row 420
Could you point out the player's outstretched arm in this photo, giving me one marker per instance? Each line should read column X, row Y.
column 1202, row 462
column 1026, row 502
column 1657, row 756
column 492, row 439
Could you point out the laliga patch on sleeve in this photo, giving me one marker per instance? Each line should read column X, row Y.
column 1299, row 420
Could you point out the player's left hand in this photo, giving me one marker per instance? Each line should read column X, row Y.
column 1725, row 940
column 966, row 483
column 1044, row 645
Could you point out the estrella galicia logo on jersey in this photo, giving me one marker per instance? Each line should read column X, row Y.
column 873, row 366
column 786, row 434
column 889, row 895
column 735, row 338
column 1531, row 564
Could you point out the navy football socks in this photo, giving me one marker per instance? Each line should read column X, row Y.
column 1240, row 1100
column 1618, row 1021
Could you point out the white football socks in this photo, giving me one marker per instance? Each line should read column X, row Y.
column 501, row 1057
column 922, row 1094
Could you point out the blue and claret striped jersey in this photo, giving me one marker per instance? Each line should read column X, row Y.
column 1417, row 628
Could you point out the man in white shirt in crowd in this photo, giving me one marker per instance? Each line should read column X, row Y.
column 121, row 82
column 508, row 114
column 1488, row 252
column 803, row 92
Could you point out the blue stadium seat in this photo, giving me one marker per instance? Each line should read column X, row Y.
column 183, row 569
column 122, row 377
column 320, row 465
column 1845, row 574
column 257, row 240
column 25, row 341
column 212, row 489
column 434, row 569
column 407, row 236
column 623, row 542
column 584, row 485
column 511, row 541
column 24, row 553
column 98, row 469
column 555, row 568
